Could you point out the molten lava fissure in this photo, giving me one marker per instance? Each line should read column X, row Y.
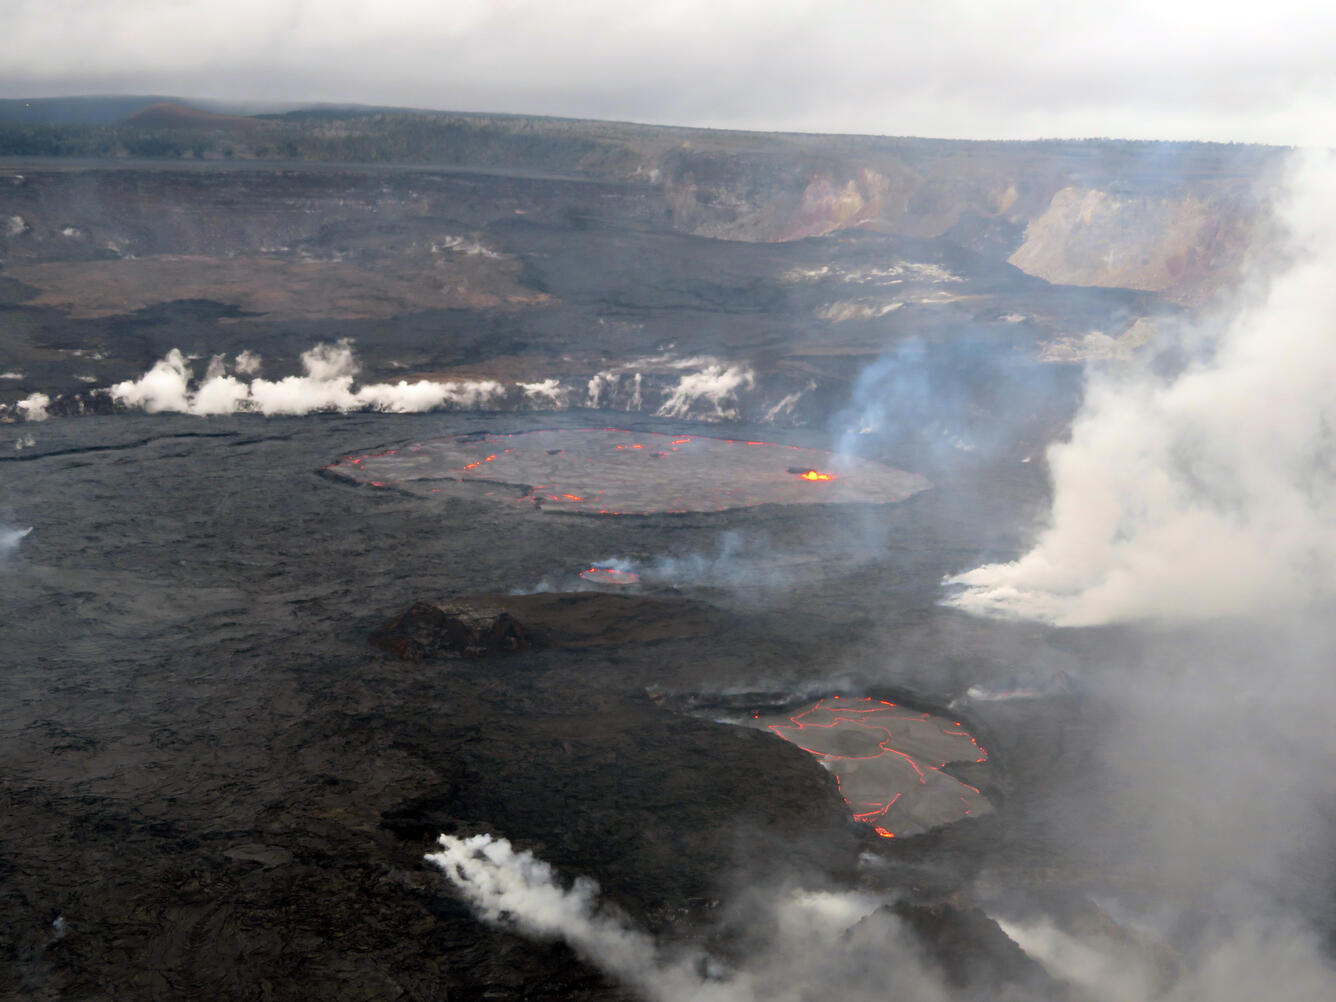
column 606, row 471
column 888, row 761
column 610, row 576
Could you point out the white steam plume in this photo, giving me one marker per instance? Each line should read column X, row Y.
column 716, row 384
column 1212, row 493
column 547, row 394
column 34, row 406
column 819, row 945
column 248, row 363
column 10, row 539
column 502, row 883
column 327, row 385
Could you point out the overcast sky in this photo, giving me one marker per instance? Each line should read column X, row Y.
column 1161, row 69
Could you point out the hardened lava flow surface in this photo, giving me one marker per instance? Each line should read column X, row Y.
column 605, row 471
column 888, row 760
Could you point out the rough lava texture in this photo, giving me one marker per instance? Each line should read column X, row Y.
column 221, row 790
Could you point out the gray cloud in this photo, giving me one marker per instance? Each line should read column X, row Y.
column 963, row 68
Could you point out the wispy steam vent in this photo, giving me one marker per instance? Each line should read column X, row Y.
column 516, row 889
column 10, row 539
column 611, row 472
column 700, row 388
column 716, row 386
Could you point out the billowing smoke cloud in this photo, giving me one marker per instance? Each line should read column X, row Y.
column 819, row 945
column 1210, row 493
column 328, row 385
column 1203, row 498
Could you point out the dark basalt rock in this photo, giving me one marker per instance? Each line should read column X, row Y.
column 454, row 631
column 484, row 625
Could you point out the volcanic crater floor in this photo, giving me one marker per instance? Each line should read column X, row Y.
column 206, row 760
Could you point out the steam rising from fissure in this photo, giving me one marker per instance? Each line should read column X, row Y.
column 820, row 945
column 10, row 539
column 698, row 388
column 327, row 384
column 1210, row 493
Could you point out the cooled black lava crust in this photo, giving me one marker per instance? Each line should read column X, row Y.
column 223, row 790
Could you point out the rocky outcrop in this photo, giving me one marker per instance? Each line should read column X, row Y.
column 484, row 625
column 1152, row 217
column 461, row 630
column 1186, row 246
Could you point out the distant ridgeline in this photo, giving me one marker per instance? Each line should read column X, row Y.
column 168, row 127
column 163, row 128
column 1171, row 218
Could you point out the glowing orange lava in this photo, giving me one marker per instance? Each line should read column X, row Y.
column 814, row 475
column 880, row 753
column 610, row 575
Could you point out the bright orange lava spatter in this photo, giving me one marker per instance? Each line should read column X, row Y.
column 814, row 475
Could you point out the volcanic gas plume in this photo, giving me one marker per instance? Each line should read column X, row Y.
column 1209, row 493
column 1204, row 500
